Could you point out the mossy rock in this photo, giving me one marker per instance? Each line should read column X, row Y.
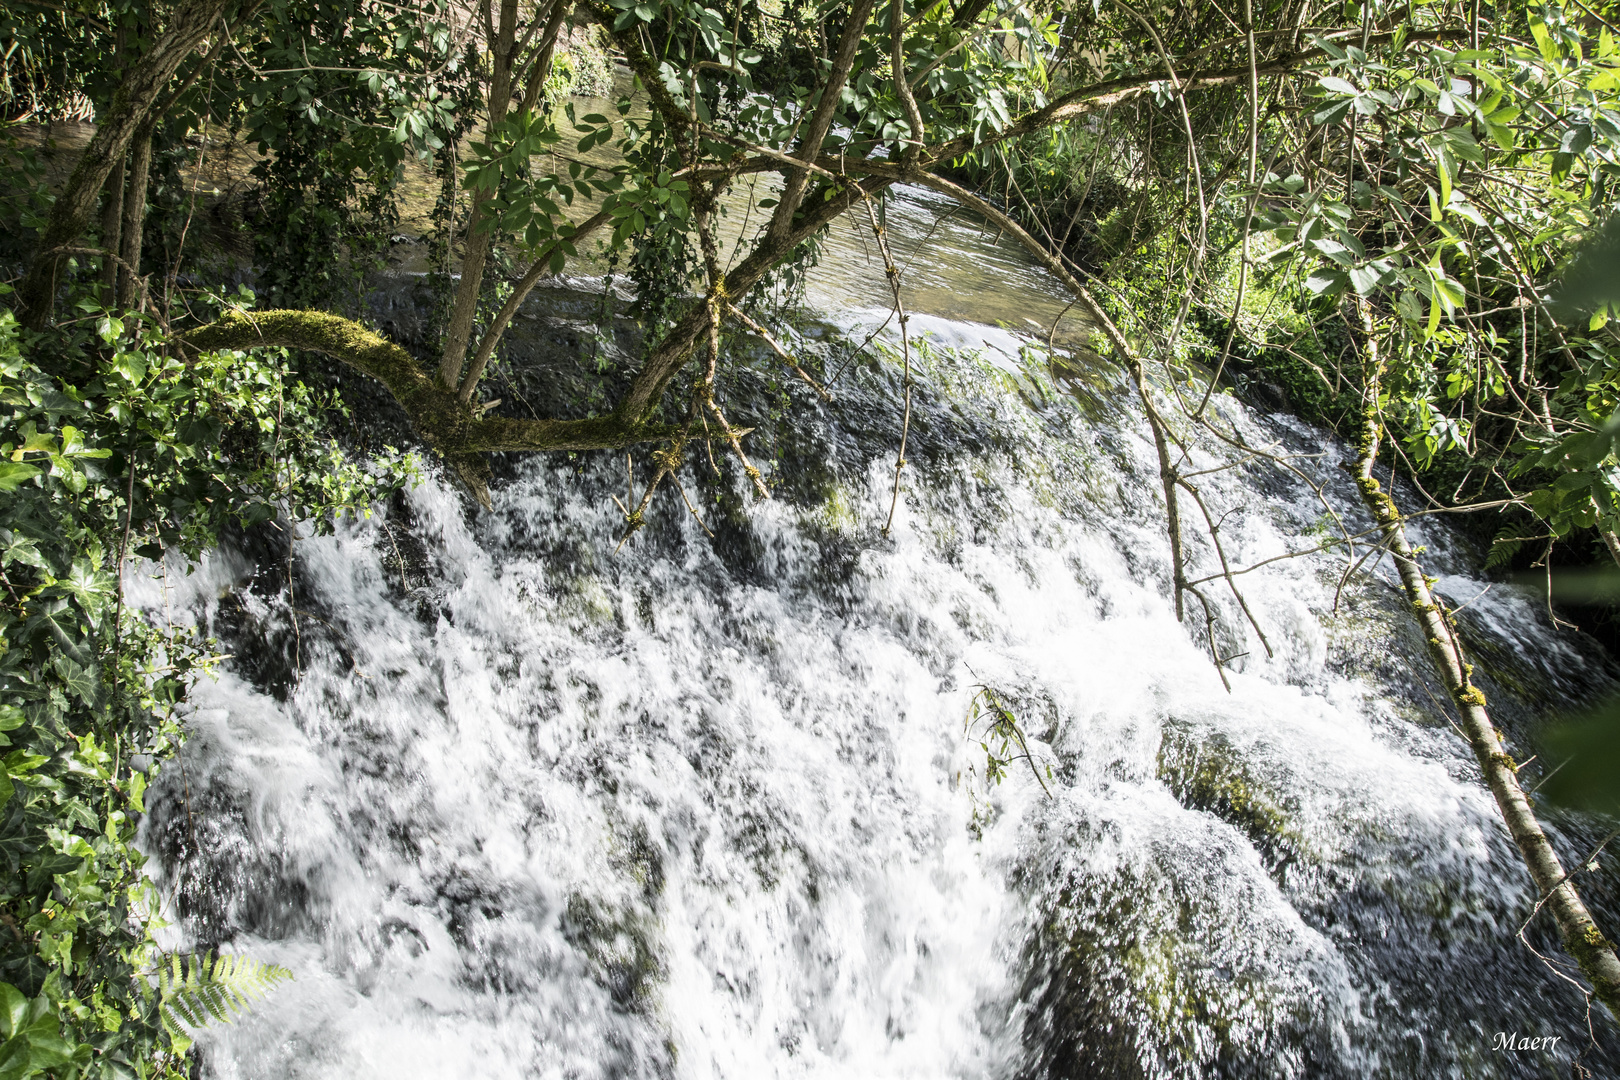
column 619, row 943
column 1205, row 771
column 586, row 600
column 1138, row 970
column 836, row 513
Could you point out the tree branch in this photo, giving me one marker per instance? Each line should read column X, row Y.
column 444, row 422
column 1089, row 99
column 131, row 105
column 541, row 267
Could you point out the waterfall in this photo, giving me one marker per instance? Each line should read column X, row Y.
column 511, row 803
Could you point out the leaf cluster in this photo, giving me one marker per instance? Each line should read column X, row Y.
column 143, row 453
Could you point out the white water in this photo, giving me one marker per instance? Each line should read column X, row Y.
column 707, row 808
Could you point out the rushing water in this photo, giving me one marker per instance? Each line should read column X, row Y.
column 512, row 804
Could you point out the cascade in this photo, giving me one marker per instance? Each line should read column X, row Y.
column 511, row 803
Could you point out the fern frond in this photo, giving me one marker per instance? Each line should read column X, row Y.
column 1504, row 547
column 212, row 987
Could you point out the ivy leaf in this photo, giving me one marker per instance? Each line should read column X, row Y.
column 13, row 1010
column 20, row 549
column 79, row 680
column 88, row 586
column 15, row 473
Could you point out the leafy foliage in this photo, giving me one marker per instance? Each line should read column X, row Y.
column 32, row 1042
column 144, row 453
column 999, row 735
column 212, row 986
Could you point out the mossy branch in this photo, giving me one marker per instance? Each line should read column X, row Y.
column 1585, row 943
column 454, row 428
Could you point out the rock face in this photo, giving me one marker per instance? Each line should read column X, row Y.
column 515, row 802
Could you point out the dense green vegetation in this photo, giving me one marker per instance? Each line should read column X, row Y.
column 117, row 450
column 1358, row 210
column 1442, row 183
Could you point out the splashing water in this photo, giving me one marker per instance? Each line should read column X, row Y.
column 510, row 805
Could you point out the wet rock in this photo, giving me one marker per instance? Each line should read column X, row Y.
column 1204, row 771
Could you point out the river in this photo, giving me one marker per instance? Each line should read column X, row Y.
column 512, row 803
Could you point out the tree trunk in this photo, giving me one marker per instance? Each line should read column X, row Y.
column 793, row 184
column 1582, row 939
column 143, row 82
column 475, row 251
column 676, row 346
column 133, row 230
column 112, row 219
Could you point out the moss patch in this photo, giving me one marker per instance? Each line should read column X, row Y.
column 1204, row 771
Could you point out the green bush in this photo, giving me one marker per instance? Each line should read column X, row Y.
column 115, row 445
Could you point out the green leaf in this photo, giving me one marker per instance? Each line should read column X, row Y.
column 15, row 1061
column 46, row 1047
column 13, row 1010
column 1443, row 169
column 132, row 366
column 78, row 680
column 14, row 473
column 1501, row 134
column 1410, row 306
column 198, row 988
column 1364, row 279
column 1450, row 293
column 1327, row 281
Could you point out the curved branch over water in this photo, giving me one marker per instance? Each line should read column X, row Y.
column 451, row 426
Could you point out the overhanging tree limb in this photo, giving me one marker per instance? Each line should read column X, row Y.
column 1089, row 99
column 1133, row 363
column 1582, row 939
column 677, row 345
column 460, row 431
column 443, row 421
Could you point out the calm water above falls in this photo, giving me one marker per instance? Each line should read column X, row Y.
column 511, row 805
